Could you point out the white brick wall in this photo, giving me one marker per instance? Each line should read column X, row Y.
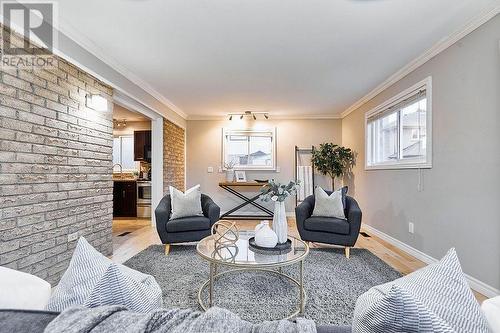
column 55, row 168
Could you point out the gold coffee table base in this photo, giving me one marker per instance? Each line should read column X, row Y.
column 213, row 275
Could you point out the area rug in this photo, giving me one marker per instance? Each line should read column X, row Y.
column 332, row 283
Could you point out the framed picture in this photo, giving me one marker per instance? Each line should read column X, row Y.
column 241, row 176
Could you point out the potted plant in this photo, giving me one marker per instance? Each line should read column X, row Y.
column 278, row 193
column 229, row 166
column 332, row 160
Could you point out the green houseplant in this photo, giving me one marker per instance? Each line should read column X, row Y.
column 332, row 160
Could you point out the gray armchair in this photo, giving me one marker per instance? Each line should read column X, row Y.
column 185, row 229
column 329, row 230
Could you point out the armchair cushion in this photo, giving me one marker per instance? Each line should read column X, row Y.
column 191, row 223
column 327, row 224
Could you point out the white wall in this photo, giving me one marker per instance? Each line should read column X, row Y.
column 459, row 205
column 204, row 141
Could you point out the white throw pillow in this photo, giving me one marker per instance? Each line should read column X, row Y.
column 22, row 291
column 440, row 289
column 328, row 205
column 185, row 204
column 88, row 270
column 491, row 310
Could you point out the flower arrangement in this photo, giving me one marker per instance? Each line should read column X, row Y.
column 230, row 165
column 275, row 191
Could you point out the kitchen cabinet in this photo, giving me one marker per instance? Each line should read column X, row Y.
column 142, row 146
column 125, row 199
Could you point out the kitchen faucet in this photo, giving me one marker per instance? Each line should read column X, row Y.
column 121, row 168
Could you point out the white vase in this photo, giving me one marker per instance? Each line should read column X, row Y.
column 280, row 226
column 264, row 236
column 229, row 175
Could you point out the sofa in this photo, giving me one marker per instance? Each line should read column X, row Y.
column 34, row 321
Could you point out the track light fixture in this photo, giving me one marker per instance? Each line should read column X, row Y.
column 248, row 114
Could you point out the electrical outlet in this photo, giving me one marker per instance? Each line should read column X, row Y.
column 411, row 228
column 210, row 169
column 73, row 237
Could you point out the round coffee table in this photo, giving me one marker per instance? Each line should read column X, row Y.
column 240, row 257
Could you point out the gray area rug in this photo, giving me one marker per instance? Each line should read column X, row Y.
column 332, row 283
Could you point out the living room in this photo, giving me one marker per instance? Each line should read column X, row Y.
column 329, row 166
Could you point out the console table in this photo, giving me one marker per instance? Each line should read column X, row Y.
column 233, row 188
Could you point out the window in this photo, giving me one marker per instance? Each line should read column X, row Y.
column 398, row 133
column 123, row 153
column 249, row 149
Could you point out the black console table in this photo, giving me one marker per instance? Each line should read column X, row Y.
column 233, row 187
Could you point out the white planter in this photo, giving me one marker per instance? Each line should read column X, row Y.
column 230, row 175
column 280, row 226
column 264, row 236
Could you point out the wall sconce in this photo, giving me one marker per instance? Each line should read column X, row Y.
column 96, row 102
column 249, row 114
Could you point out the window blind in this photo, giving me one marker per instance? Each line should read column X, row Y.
column 414, row 97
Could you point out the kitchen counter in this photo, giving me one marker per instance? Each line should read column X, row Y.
column 117, row 179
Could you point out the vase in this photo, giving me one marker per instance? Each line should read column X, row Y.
column 265, row 236
column 229, row 175
column 280, row 226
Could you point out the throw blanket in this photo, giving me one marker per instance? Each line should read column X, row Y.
column 106, row 319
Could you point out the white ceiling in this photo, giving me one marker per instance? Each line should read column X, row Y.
column 288, row 57
column 121, row 113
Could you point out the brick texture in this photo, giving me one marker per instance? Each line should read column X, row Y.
column 173, row 156
column 55, row 168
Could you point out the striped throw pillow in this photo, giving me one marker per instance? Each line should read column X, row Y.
column 437, row 296
column 118, row 288
column 390, row 309
column 89, row 272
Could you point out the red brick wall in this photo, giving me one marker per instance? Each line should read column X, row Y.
column 174, row 145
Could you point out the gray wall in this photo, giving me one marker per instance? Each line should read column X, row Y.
column 55, row 168
column 204, row 149
column 460, row 202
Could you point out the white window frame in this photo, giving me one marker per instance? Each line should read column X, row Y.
column 425, row 84
column 121, row 149
column 228, row 131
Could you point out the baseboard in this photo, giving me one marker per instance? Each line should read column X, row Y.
column 474, row 283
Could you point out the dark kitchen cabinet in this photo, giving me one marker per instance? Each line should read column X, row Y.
column 142, row 146
column 125, row 199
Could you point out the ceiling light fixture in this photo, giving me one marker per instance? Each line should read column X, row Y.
column 250, row 114
column 119, row 123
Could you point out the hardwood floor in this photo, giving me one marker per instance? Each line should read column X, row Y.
column 140, row 235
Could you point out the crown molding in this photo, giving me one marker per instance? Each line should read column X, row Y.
column 271, row 117
column 436, row 49
column 91, row 47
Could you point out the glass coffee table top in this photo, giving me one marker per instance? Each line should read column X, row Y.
column 240, row 254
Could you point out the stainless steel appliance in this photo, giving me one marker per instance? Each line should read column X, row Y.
column 143, row 198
